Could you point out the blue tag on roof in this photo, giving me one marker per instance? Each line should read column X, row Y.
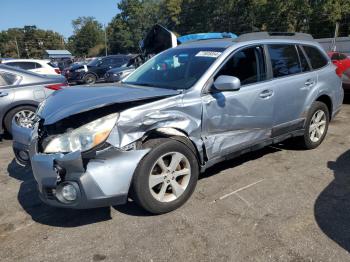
column 203, row 36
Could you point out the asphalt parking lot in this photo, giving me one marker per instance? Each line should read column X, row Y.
column 276, row 204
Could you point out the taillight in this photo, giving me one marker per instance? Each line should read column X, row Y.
column 57, row 71
column 56, row 86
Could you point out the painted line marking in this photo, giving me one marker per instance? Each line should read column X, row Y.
column 238, row 190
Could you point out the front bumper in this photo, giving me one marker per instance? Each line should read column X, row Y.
column 110, row 77
column 101, row 180
column 72, row 76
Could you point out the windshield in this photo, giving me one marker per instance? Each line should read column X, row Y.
column 178, row 68
column 94, row 62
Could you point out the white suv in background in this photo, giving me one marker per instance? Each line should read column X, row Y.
column 42, row 67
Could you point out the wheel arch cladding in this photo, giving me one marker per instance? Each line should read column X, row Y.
column 175, row 134
column 328, row 102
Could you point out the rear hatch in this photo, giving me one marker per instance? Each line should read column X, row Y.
column 157, row 40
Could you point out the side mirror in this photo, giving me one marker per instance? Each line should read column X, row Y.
column 227, row 83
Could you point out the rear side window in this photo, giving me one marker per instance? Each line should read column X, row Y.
column 37, row 65
column 284, row 60
column 303, row 61
column 317, row 59
column 23, row 65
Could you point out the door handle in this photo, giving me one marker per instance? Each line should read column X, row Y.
column 266, row 93
column 3, row 94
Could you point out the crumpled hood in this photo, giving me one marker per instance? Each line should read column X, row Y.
column 74, row 100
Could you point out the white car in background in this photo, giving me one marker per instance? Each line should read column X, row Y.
column 42, row 67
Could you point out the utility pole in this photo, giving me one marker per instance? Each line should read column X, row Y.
column 17, row 47
column 105, row 39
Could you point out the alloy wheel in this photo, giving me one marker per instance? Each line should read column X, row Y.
column 317, row 126
column 169, row 177
column 25, row 118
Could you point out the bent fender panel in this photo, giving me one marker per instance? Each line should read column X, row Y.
column 113, row 170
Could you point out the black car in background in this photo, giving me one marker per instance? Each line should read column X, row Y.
column 96, row 69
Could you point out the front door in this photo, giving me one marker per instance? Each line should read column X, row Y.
column 234, row 120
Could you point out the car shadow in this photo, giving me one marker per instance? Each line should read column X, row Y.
column 332, row 206
column 346, row 99
column 132, row 209
column 28, row 197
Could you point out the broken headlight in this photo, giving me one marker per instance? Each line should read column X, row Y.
column 85, row 137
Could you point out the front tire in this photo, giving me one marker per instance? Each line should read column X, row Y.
column 166, row 177
column 316, row 126
column 90, row 79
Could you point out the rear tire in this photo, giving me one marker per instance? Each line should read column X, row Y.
column 22, row 115
column 316, row 126
column 90, row 79
column 166, row 177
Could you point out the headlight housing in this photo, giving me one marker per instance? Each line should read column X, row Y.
column 83, row 138
column 118, row 74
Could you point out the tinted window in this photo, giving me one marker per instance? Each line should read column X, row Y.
column 25, row 65
column 284, row 60
column 37, row 65
column 7, row 79
column 303, row 61
column 317, row 59
column 248, row 65
column 118, row 60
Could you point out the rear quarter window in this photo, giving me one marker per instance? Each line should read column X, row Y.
column 284, row 60
column 316, row 58
column 7, row 79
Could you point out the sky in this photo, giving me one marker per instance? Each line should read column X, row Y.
column 55, row 15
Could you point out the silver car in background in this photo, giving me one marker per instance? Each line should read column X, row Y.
column 21, row 92
column 181, row 112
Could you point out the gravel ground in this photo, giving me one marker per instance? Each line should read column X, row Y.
column 276, row 204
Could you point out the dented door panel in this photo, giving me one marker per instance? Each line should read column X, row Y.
column 233, row 120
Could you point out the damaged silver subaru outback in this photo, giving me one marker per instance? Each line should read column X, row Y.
column 181, row 112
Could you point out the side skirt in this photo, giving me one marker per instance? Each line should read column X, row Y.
column 259, row 145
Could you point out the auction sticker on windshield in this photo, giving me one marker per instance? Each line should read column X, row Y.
column 208, row 54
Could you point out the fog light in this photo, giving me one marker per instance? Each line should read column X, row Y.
column 69, row 192
column 23, row 155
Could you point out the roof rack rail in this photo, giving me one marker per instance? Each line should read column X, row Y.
column 273, row 35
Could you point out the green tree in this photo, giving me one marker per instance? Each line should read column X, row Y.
column 87, row 34
column 31, row 42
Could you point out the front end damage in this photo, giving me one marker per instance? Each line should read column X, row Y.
column 101, row 176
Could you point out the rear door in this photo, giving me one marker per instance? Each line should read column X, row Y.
column 292, row 81
column 234, row 120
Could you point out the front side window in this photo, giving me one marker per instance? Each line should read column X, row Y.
column 248, row 65
column 177, row 68
column 317, row 59
column 284, row 60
